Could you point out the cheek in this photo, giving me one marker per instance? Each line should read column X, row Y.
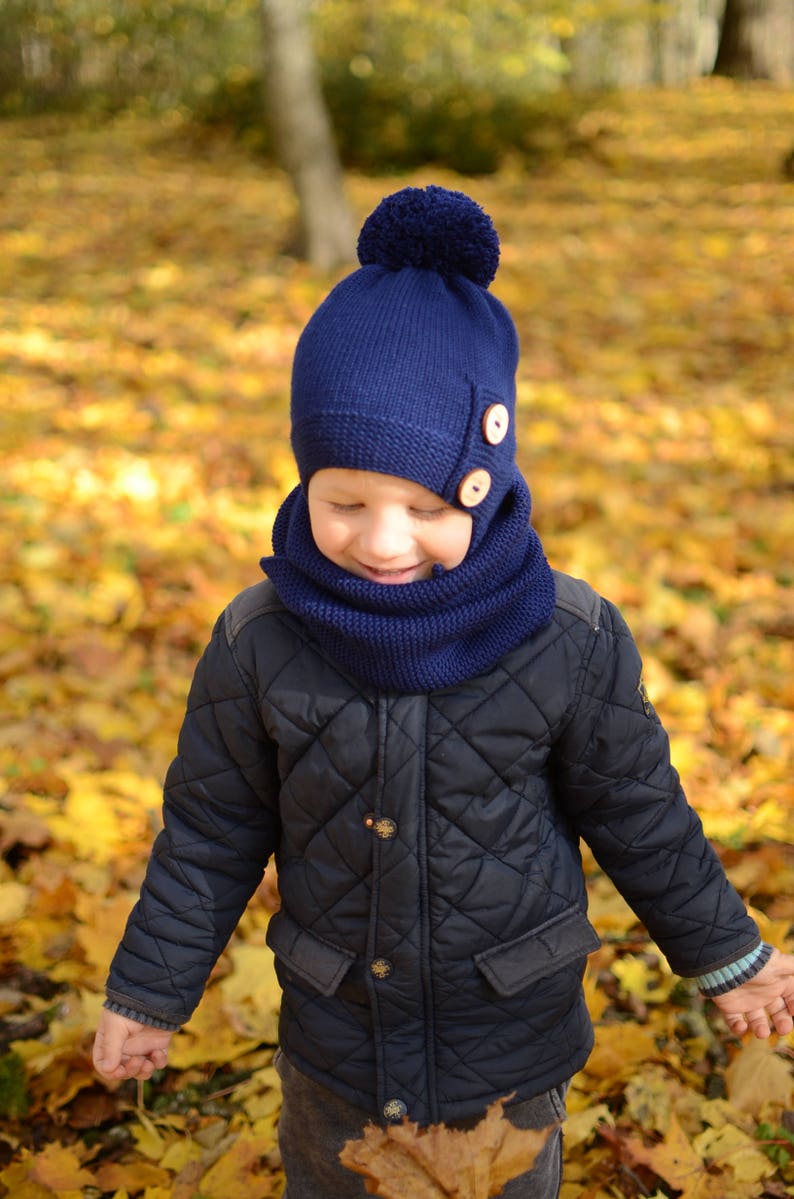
column 454, row 544
column 329, row 533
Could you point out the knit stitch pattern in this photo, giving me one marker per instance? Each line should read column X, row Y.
column 425, row 635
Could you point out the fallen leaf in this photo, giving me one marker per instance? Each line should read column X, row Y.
column 757, row 1076
column 60, row 1169
column 238, row 1174
column 674, row 1160
column 730, row 1147
column 130, row 1176
column 435, row 1162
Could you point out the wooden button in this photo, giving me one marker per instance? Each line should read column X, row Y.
column 474, row 487
column 495, row 423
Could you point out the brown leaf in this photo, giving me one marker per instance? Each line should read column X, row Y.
column 22, row 828
column 439, row 1162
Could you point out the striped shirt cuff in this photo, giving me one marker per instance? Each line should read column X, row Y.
column 718, row 982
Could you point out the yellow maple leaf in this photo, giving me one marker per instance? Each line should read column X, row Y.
column 674, row 1160
column 209, row 1036
column 757, row 1076
column 17, row 1181
column 729, row 1146
column 131, row 1176
column 649, row 1099
column 14, row 901
column 580, row 1126
column 147, row 1138
column 236, row 1174
column 638, row 979
column 619, row 1049
column 252, row 992
column 101, row 926
column 59, row 1168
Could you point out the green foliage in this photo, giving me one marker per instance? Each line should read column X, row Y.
column 381, row 127
column 90, row 55
column 460, row 83
column 13, row 1086
column 777, row 1142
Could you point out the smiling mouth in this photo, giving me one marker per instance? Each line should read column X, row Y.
column 403, row 574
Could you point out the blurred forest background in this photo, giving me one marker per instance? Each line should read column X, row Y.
column 179, row 185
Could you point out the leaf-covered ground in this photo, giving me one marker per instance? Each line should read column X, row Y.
column 149, row 313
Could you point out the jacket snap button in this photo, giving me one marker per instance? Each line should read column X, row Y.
column 394, row 1109
column 381, row 967
column 369, row 820
column 495, row 423
column 474, row 487
column 385, row 828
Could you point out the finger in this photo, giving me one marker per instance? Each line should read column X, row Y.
column 782, row 1020
column 141, row 1044
column 783, row 1023
column 137, row 1067
column 159, row 1058
column 758, row 1021
column 107, row 1051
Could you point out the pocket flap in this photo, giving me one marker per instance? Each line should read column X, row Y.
column 543, row 950
column 310, row 957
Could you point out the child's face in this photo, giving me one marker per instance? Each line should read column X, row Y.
column 384, row 528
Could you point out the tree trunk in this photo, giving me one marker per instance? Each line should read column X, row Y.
column 743, row 47
column 303, row 134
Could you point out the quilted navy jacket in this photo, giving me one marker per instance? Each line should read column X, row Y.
column 433, row 932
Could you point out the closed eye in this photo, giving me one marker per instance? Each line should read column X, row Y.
column 335, row 507
column 431, row 513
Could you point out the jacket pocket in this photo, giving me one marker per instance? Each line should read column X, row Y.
column 304, row 953
column 511, row 967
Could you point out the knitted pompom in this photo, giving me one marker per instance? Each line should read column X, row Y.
column 432, row 229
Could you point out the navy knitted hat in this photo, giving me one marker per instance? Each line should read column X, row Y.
column 408, row 367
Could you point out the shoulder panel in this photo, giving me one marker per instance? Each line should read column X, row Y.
column 579, row 598
column 249, row 604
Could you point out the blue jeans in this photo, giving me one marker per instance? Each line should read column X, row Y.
column 315, row 1123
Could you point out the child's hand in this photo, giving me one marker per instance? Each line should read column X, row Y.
column 126, row 1049
column 768, row 996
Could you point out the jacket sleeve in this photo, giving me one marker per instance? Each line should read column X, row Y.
column 220, row 826
column 616, row 782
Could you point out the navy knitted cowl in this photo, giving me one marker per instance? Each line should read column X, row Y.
column 426, row 635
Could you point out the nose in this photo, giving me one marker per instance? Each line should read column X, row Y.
column 387, row 536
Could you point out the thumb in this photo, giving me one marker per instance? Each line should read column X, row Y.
column 109, row 1042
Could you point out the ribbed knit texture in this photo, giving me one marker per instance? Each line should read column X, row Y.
column 426, row 635
column 130, row 1013
column 719, row 982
